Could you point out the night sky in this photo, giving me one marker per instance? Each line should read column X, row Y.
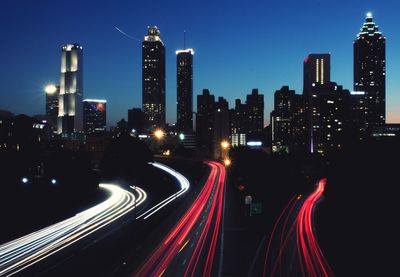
column 239, row 45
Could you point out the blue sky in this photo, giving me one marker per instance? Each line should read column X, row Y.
column 239, row 45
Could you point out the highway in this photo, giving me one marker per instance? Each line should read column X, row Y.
column 190, row 247
column 20, row 254
column 293, row 249
column 23, row 252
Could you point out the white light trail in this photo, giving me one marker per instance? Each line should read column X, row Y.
column 183, row 182
column 23, row 252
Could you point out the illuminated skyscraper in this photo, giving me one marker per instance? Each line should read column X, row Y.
column 370, row 70
column 70, row 112
column 317, row 70
column 184, row 116
column 153, row 78
column 94, row 115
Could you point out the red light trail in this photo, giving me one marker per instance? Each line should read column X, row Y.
column 310, row 258
column 200, row 225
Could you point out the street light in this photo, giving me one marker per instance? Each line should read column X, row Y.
column 225, row 144
column 227, row 162
column 159, row 134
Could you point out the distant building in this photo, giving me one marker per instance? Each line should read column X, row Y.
column 221, row 126
column 255, row 113
column 94, row 115
column 300, row 130
column 317, row 70
column 358, row 116
column 239, row 118
column 370, row 70
column 329, row 107
column 52, row 98
column 184, row 64
column 282, row 120
column 205, row 122
column 153, row 78
column 136, row 120
column 70, row 111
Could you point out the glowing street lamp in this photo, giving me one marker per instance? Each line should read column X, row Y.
column 224, row 144
column 227, row 162
column 159, row 134
column 50, row 89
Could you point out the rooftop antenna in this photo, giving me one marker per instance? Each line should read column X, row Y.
column 184, row 39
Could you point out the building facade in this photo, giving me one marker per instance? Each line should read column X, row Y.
column 94, row 115
column 317, row 70
column 329, row 105
column 184, row 116
column 153, row 78
column 255, row 113
column 205, row 122
column 370, row 71
column 282, row 120
column 52, row 98
column 70, row 109
column 136, row 121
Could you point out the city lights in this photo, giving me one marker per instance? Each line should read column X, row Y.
column 159, row 134
column 50, row 89
column 227, row 162
column 225, row 144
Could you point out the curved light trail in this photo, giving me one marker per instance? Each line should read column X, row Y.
column 23, row 252
column 190, row 242
column 310, row 259
column 183, row 182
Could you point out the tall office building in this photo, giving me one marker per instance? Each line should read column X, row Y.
column 70, row 110
column 94, row 115
column 184, row 116
column 52, row 95
column 255, row 113
column 370, row 70
column 317, row 70
column 205, row 122
column 153, row 78
column 239, row 118
column 329, row 118
column 282, row 120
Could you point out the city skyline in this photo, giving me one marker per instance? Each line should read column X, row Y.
column 233, row 81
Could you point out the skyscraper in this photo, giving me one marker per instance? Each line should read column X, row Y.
column 52, row 95
column 70, row 111
column 94, row 115
column 205, row 122
column 255, row 113
column 282, row 119
column 370, row 70
column 317, row 70
column 184, row 64
column 153, row 78
column 329, row 117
